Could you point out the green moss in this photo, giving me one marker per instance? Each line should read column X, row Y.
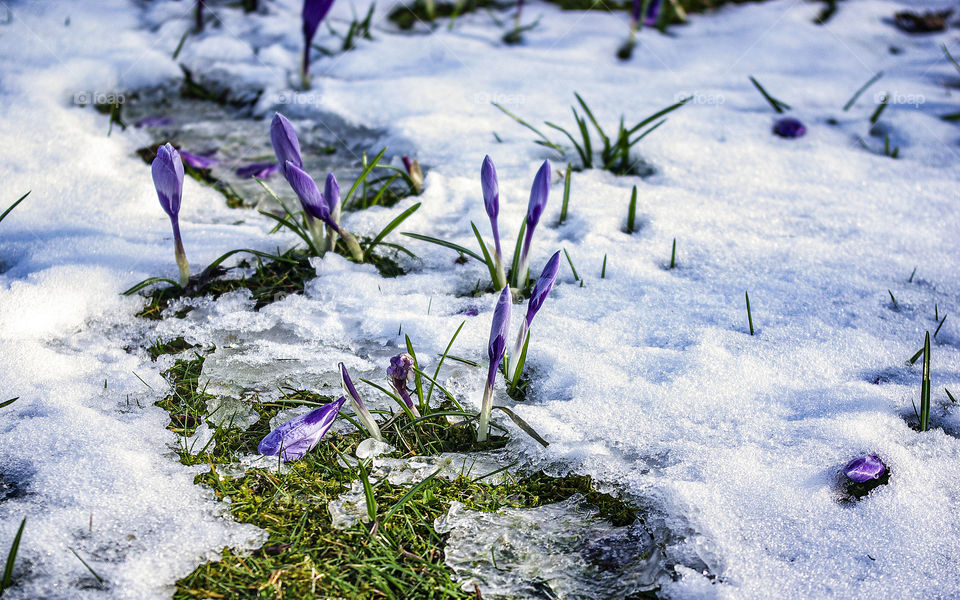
column 174, row 346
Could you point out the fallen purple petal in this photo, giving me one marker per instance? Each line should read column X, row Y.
column 865, row 468
column 299, row 435
column 260, row 170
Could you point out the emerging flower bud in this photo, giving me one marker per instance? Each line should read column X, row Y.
column 499, row 330
column 285, row 143
column 167, row 170
column 788, row 127
column 865, row 468
column 400, row 373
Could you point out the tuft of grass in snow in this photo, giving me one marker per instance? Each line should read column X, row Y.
column 749, row 314
column 406, row 16
column 632, row 212
column 7, row 580
column 13, row 206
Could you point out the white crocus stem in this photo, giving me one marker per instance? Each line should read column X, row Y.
column 485, row 408
column 316, row 231
column 514, row 357
column 368, row 421
column 181, row 256
column 501, row 281
column 331, row 232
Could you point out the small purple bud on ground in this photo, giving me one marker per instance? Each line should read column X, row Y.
column 788, row 127
column 865, row 468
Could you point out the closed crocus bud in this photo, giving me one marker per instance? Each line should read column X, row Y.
column 311, row 199
column 331, row 193
column 497, row 345
column 400, row 373
column 653, row 13
column 865, row 468
column 788, row 127
column 167, row 170
column 296, row 437
column 369, row 423
column 539, row 193
column 491, row 197
column 285, row 143
column 415, row 173
column 540, row 291
column 199, row 161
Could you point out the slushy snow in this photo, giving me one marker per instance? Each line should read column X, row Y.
column 646, row 379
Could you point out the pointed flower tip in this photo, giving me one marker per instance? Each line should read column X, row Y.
column 539, row 193
column 312, row 15
column 865, row 468
column 543, row 286
column 285, row 143
column 331, row 192
column 299, row 435
column 167, row 171
column 348, row 385
column 491, row 189
column 310, row 197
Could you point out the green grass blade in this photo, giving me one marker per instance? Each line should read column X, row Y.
column 403, row 500
column 596, row 125
column 89, row 568
column 7, row 403
column 925, row 386
column 657, row 115
column 391, row 226
column 876, row 114
column 491, row 266
column 572, row 268
column 566, row 194
column 749, row 313
column 632, row 211
column 363, row 176
column 440, row 387
column 860, row 91
column 439, row 242
column 14, row 205
column 776, row 104
column 443, row 357
column 368, row 493
column 544, row 139
column 576, row 146
column 295, row 229
column 949, row 56
column 12, row 558
column 514, row 276
column 637, row 140
column 949, row 395
column 148, row 282
column 418, row 383
column 520, row 362
column 523, row 425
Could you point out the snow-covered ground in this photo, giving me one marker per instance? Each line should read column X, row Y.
column 647, row 379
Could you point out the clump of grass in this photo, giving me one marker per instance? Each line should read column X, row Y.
column 614, row 155
column 405, row 16
column 7, row 580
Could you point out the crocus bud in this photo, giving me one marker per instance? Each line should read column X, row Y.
column 260, row 170
column 539, row 193
column 653, row 13
column 400, row 373
column 491, row 197
column 311, row 199
column 415, row 173
column 167, row 170
column 788, row 127
column 365, row 417
column 198, row 161
column 331, row 193
column 313, row 13
column 299, row 435
column 497, row 345
column 540, row 291
column 865, row 468
column 285, row 143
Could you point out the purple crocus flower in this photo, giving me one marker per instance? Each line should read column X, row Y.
column 368, row 421
column 260, row 170
column 331, row 193
column 491, row 197
column 313, row 13
column 499, row 330
column 865, row 468
column 540, row 291
column 400, row 373
column 311, row 199
column 199, row 161
column 788, row 127
column 285, row 143
column 167, row 170
column 539, row 193
column 153, row 121
column 415, row 173
column 299, row 435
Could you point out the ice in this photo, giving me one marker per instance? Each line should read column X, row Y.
column 561, row 550
column 646, row 379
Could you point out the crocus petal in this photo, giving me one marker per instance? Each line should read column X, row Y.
column 285, row 143
column 260, row 170
column 491, row 190
column 348, row 384
column 198, row 161
column 167, row 172
column 153, row 121
column 331, row 192
column 538, row 196
column 299, row 435
column 635, row 10
column 789, row 127
column 310, row 197
column 499, row 330
column 547, row 277
column 313, row 13
column 865, row 468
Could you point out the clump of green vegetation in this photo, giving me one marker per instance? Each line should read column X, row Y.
column 426, row 11
column 398, row 554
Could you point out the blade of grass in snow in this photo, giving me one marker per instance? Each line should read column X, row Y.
column 632, row 211
column 777, row 105
column 883, row 106
column 862, row 89
column 14, row 205
column 925, row 386
column 912, row 273
column 894, row 300
column 390, row 227
column 89, row 568
column 939, row 326
column 523, row 425
column 673, row 254
column 570, row 262
column 487, row 259
column 439, row 242
column 7, row 403
column 403, row 500
column 443, row 357
column 949, row 395
column 545, row 141
column 363, row 176
column 371, row 501
column 12, row 558
column 416, row 366
column 566, row 194
column 603, row 269
column 749, row 314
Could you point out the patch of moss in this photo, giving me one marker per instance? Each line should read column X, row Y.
column 406, row 16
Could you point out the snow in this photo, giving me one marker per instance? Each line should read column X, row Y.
column 647, row 379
